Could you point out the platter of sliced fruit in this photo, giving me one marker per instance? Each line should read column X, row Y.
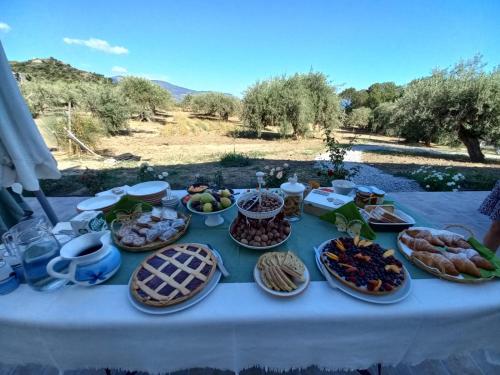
column 363, row 269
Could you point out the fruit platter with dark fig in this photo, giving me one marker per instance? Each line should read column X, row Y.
column 363, row 265
column 260, row 233
column 211, row 201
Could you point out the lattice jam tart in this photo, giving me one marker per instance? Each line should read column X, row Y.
column 363, row 265
column 173, row 274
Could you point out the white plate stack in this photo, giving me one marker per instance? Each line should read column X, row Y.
column 150, row 192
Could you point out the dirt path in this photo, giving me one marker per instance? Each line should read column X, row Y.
column 368, row 175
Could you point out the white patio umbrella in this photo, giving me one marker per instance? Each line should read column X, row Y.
column 24, row 156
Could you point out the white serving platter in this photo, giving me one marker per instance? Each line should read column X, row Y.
column 209, row 288
column 397, row 296
column 406, row 251
column 148, row 188
column 301, row 286
column 97, row 203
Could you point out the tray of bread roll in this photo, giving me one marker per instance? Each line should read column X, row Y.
column 445, row 254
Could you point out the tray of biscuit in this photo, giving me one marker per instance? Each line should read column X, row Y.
column 281, row 274
column 363, row 269
column 145, row 231
column 445, row 254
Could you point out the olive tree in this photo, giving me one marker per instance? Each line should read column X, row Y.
column 144, row 96
column 359, row 118
column 215, row 104
column 382, row 120
column 463, row 101
column 109, row 105
column 291, row 103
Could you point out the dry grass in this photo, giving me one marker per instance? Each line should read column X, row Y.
column 187, row 145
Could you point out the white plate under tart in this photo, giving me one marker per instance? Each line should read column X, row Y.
column 198, row 297
column 301, row 285
column 384, row 299
column 258, row 247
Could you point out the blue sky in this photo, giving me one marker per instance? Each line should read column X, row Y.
column 228, row 45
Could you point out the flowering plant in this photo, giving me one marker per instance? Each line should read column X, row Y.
column 275, row 176
column 148, row 173
column 435, row 180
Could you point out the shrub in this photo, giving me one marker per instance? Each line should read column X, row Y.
column 85, row 127
column 148, row 173
column 435, row 180
column 234, row 159
column 95, row 180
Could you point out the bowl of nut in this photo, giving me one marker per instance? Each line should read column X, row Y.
column 260, row 205
column 260, row 234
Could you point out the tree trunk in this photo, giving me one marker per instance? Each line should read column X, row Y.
column 472, row 143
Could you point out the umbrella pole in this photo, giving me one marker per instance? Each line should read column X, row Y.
column 46, row 206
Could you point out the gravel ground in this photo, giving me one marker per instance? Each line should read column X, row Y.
column 369, row 175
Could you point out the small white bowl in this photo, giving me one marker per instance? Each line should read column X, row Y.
column 343, row 187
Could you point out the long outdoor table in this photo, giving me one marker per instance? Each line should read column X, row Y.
column 240, row 326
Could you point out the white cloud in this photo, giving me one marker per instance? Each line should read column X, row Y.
column 4, row 27
column 98, row 44
column 118, row 70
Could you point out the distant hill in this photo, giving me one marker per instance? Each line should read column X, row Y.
column 177, row 92
column 52, row 70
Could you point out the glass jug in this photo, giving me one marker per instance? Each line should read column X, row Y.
column 32, row 243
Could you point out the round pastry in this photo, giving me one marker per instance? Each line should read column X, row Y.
column 173, row 274
column 363, row 265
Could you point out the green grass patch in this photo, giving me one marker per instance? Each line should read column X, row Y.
column 235, row 159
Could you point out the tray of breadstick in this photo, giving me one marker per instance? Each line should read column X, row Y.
column 446, row 255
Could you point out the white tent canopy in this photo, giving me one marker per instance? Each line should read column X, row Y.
column 24, row 156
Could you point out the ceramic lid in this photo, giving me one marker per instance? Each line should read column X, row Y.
column 364, row 190
column 377, row 191
column 292, row 186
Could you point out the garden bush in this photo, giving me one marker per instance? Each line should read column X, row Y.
column 85, row 127
column 234, row 159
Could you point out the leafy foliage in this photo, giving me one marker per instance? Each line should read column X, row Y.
column 86, row 128
column 214, row 104
column 359, row 118
column 291, row 103
column 336, row 169
column 234, row 159
column 144, row 96
column 112, row 109
column 463, row 102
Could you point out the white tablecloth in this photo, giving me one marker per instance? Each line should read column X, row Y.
column 240, row 326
